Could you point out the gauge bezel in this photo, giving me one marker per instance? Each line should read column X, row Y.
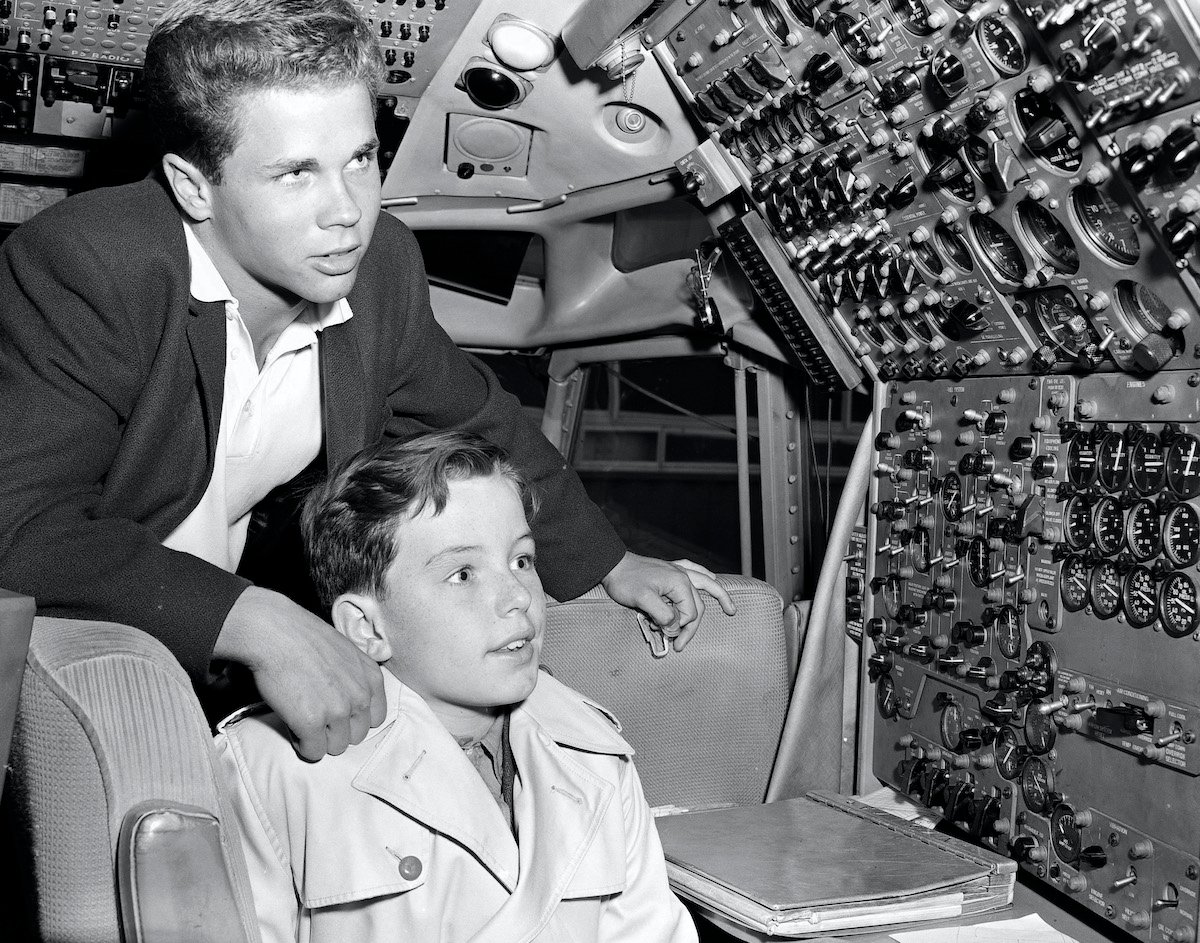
column 955, row 247
column 1027, row 216
column 1009, row 769
column 1035, row 771
column 885, row 697
column 1004, row 70
column 1075, row 473
column 1106, row 469
column 951, row 720
column 980, row 577
column 1137, row 465
column 1073, row 603
column 1132, row 616
column 1170, row 550
column 1105, row 573
column 1170, row 626
column 1128, row 297
column 1068, row 853
column 1139, row 509
column 1181, row 441
column 1041, row 733
column 1092, row 239
column 1077, row 524
column 979, row 221
column 1010, row 646
column 957, row 513
column 1104, row 540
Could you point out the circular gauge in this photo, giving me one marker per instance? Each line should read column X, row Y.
column 1148, row 465
column 952, row 496
column 979, row 561
column 1037, row 782
column 1040, row 731
column 1047, row 237
column 1007, row 632
column 1108, row 526
column 925, row 255
column 1009, row 753
column 1140, row 599
column 1183, row 466
column 1113, row 461
column 1061, row 320
column 804, row 11
column 893, row 592
column 951, row 725
column 1073, row 583
column 1038, row 110
column 1177, row 605
column 1105, row 588
column 1002, row 45
column 922, row 559
column 1081, row 461
column 885, row 697
column 773, row 20
column 999, row 248
column 955, row 247
column 1143, row 535
column 855, row 39
column 1105, row 224
column 1181, row 535
column 914, row 15
column 1141, row 306
column 1064, row 833
column 1077, row 522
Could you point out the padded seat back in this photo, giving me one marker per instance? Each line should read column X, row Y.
column 705, row 722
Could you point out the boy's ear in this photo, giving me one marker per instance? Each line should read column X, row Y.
column 358, row 618
column 192, row 189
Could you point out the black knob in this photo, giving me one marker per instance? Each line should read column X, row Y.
column 1138, row 164
column 1021, row 448
column 968, row 634
column 903, row 193
column 821, row 72
column 900, row 87
column 1073, row 64
column 1181, row 234
column 1044, row 466
column 1093, row 856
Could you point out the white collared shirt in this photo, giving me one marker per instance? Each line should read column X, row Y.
column 270, row 417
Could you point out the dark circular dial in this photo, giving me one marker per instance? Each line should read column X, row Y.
column 885, row 697
column 979, row 561
column 1007, row 632
column 892, row 592
column 1181, row 535
column 1081, row 461
column 1105, row 588
column 954, row 245
column 804, row 11
column 999, row 248
column 1148, row 465
column 1040, row 730
column 1037, row 782
column 952, row 496
column 1032, row 109
column 951, row 725
column 1177, row 605
column 1002, row 45
column 922, row 559
column 1112, row 455
column 1142, row 532
column 1142, row 306
column 1047, row 237
column 1073, row 583
column 1140, row 597
column 1077, row 522
column 1183, row 466
column 1064, row 833
column 1108, row 526
column 855, row 40
column 1010, row 755
column 925, row 255
column 914, row 15
column 1105, row 224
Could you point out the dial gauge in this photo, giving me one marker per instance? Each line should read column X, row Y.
column 1142, row 532
column 1060, row 320
column 979, row 561
column 1105, row 224
column 1064, row 833
column 952, row 496
column 1181, row 535
column 1148, row 465
column 1010, row 755
column 1177, row 605
column 1002, row 45
column 1007, row 632
column 885, row 697
column 1040, row 729
column 1183, row 465
column 1113, row 461
column 955, row 247
column 1077, row 522
column 1141, row 306
column 1073, row 583
column 1081, row 461
column 893, row 592
column 914, row 15
column 1104, row 589
column 1047, row 237
column 804, row 11
column 1108, row 526
column 999, row 248
column 1140, row 598
column 951, row 725
column 922, row 558
column 1057, row 142
column 855, row 39
column 1037, row 782
column 925, row 255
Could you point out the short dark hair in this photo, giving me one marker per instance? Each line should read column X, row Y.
column 350, row 521
column 203, row 55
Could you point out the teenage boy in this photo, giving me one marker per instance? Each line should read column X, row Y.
column 179, row 356
column 493, row 803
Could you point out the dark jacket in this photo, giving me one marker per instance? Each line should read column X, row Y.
column 111, row 383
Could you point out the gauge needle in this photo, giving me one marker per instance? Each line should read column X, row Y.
column 1117, row 457
column 1185, row 607
column 1078, row 581
column 1191, row 457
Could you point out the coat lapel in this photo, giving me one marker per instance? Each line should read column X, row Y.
column 342, row 386
column 206, row 337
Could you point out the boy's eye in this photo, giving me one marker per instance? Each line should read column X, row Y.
column 461, row 576
column 525, row 561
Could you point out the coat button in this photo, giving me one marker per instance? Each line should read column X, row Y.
column 410, row 867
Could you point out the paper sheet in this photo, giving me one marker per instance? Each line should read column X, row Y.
column 1030, row 929
column 886, row 799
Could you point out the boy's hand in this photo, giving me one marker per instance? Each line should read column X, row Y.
column 666, row 592
column 326, row 690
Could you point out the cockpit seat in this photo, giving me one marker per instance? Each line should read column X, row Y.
column 112, row 803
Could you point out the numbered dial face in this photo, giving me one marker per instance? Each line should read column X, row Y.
column 1040, row 731
column 1047, row 237
column 1142, row 306
column 1177, row 605
column 1002, row 45
column 1108, row 526
column 951, row 725
column 1081, row 461
column 1077, row 522
column 1140, row 598
column 1105, row 224
column 999, row 248
column 1105, row 588
column 1181, row 535
column 1010, row 755
column 1037, row 782
column 1113, row 459
column 1064, row 833
column 1183, row 466
column 1148, row 465
column 1142, row 532
column 952, row 497
column 1007, row 633
column 1073, row 583
column 885, row 697
column 979, row 561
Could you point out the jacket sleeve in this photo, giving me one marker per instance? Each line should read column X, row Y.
column 276, row 903
column 438, row 386
column 646, row 910
column 76, row 344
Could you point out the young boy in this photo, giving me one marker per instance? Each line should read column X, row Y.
column 493, row 803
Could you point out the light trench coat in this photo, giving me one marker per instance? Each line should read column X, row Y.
column 399, row 840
